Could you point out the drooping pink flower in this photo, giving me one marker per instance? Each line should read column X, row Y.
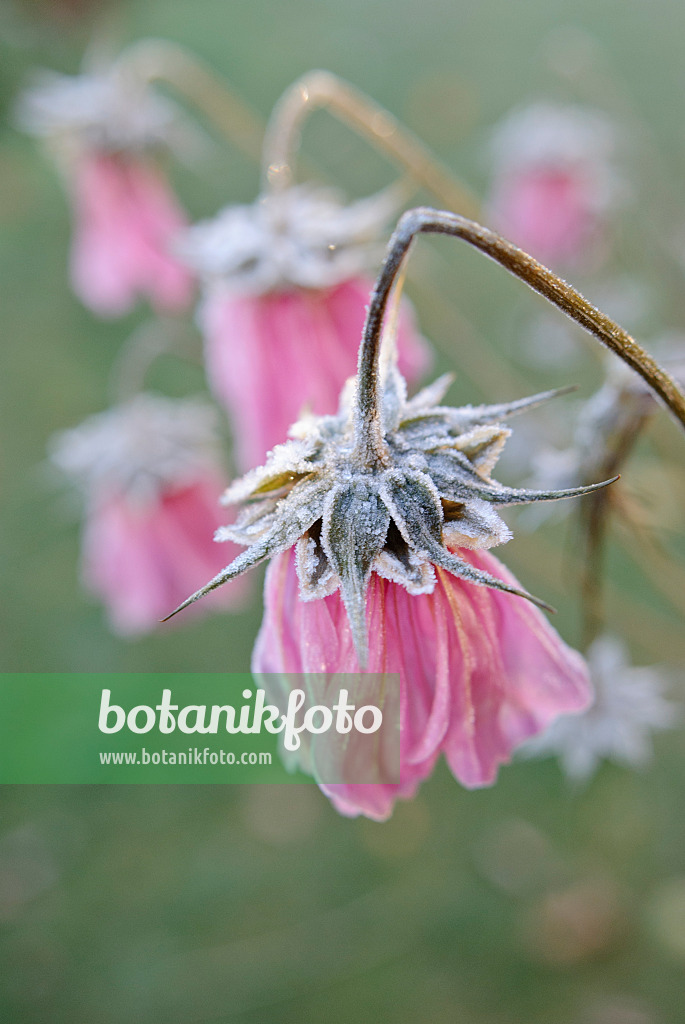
column 389, row 573
column 554, row 183
column 126, row 219
column 378, row 520
column 107, row 130
column 284, row 300
column 481, row 671
column 151, row 480
column 140, row 559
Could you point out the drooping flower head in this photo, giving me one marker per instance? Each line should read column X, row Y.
column 151, row 477
column 107, row 130
column 378, row 517
column 554, row 180
column 388, row 485
column 284, row 299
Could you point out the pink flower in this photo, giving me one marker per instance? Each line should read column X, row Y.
column 546, row 210
column 481, row 670
column 377, row 520
column 553, row 182
column 107, row 128
column 126, row 219
column 150, row 475
column 269, row 357
column 283, row 308
column 140, row 559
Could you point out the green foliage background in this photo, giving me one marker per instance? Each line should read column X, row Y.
column 529, row 903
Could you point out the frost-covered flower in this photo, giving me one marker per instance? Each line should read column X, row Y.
column 629, row 705
column 400, row 519
column 392, row 556
column 103, row 109
column 554, row 179
column 107, row 129
column 284, row 300
column 150, row 474
column 388, row 506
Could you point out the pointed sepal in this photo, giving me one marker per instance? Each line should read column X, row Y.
column 355, row 525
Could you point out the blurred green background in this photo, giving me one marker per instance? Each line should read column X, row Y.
column 529, row 903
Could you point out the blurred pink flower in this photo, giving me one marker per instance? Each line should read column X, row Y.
column 150, row 475
column 284, row 301
column 126, row 218
column 141, row 559
column 106, row 128
column 554, row 182
column 481, row 671
column 269, row 357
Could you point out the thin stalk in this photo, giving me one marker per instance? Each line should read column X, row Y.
column 595, row 521
column 162, row 61
column 369, row 442
column 321, row 89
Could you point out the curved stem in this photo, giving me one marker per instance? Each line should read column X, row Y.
column 321, row 89
column 160, row 60
column 368, row 436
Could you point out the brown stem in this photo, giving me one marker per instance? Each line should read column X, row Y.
column 369, row 441
column 321, row 89
column 596, row 511
column 595, row 521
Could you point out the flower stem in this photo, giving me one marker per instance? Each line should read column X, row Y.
column 369, row 441
column 595, row 512
column 321, row 89
column 160, row 60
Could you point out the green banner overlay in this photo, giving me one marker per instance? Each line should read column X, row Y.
column 166, row 728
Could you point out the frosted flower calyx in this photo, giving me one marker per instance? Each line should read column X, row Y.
column 399, row 518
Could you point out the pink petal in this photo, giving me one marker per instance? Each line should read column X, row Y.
column 480, row 670
column 144, row 559
column 125, row 222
